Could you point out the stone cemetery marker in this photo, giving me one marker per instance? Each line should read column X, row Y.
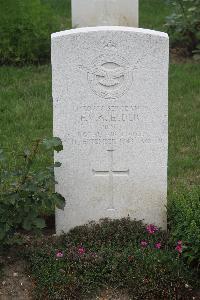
column 104, row 12
column 110, row 88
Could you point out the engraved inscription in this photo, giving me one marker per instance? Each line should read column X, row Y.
column 112, row 125
column 110, row 113
column 111, row 173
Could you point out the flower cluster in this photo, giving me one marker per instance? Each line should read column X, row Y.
column 158, row 245
column 151, row 229
column 144, row 243
column 179, row 247
column 59, row 254
column 80, row 251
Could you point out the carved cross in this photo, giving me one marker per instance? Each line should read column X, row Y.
column 111, row 173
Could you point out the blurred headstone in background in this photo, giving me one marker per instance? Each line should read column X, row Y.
column 104, row 13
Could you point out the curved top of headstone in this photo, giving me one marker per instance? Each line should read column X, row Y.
column 110, row 29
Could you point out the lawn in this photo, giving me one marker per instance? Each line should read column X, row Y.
column 26, row 107
column 184, row 125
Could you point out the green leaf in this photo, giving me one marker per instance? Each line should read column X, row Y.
column 57, row 164
column 196, row 57
column 27, row 224
column 54, row 143
column 59, row 201
column 13, row 198
column 192, row 9
column 21, row 203
column 39, row 223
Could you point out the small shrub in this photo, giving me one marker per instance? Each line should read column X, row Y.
column 184, row 222
column 111, row 254
column 184, row 26
column 25, row 194
column 25, row 31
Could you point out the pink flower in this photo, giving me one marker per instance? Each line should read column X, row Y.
column 144, row 243
column 81, row 250
column 158, row 245
column 151, row 229
column 59, row 254
column 179, row 247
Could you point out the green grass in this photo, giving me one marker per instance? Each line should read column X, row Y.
column 152, row 14
column 26, row 106
column 184, row 125
column 62, row 8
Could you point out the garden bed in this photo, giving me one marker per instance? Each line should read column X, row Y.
column 119, row 259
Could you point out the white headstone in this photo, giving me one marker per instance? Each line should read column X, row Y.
column 104, row 12
column 110, row 92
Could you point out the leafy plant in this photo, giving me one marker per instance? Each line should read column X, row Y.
column 184, row 222
column 110, row 255
column 25, row 31
column 184, row 26
column 25, row 194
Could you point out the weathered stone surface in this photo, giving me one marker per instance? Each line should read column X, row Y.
column 110, row 87
column 104, row 12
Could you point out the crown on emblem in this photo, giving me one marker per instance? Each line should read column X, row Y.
column 110, row 46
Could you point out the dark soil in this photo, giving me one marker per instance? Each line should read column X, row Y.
column 16, row 284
